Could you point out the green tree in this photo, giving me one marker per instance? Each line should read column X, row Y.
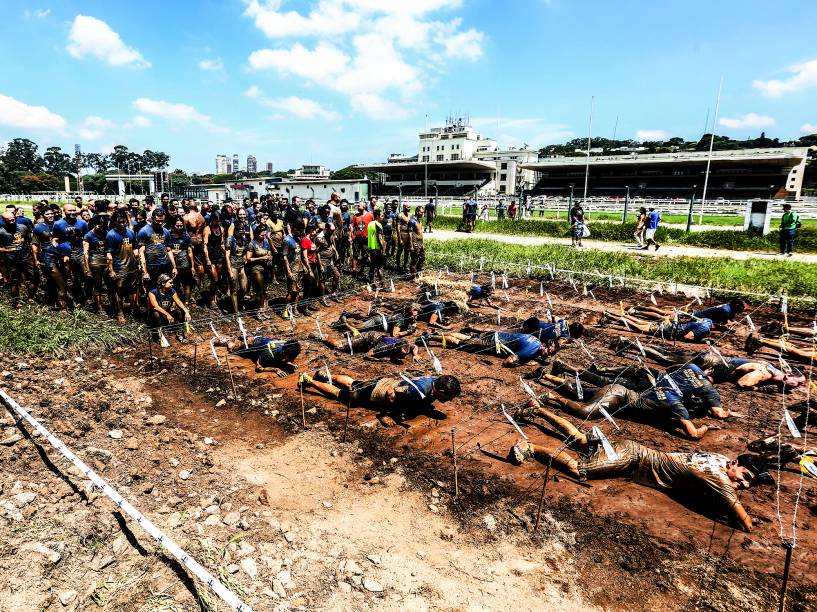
column 349, row 172
column 97, row 161
column 21, row 156
column 56, row 162
column 119, row 157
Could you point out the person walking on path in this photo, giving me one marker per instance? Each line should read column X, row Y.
column 789, row 224
column 576, row 225
column 640, row 226
column 653, row 220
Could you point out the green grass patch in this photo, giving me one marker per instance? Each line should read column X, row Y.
column 806, row 241
column 755, row 275
column 39, row 330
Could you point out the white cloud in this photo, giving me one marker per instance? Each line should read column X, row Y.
column 804, row 77
column 16, row 114
column 517, row 131
column 809, row 128
column 749, row 120
column 302, row 107
column 93, row 128
column 652, row 135
column 396, row 48
column 140, row 121
column 212, row 65
column 94, row 37
column 174, row 112
column 253, row 91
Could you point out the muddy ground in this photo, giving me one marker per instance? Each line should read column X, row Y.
column 297, row 517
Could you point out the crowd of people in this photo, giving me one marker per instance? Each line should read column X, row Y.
column 152, row 259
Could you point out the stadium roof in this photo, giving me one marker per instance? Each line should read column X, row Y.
column 463, row 164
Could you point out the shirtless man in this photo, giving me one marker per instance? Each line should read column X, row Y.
column 194, row 222
column 755, row 342
column 696, row 474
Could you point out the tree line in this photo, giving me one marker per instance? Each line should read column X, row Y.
column 24, row 170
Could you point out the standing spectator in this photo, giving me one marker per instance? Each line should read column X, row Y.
column 512, row 210
column 640, row 226
column 653, row 220
column 789, row 224
column 375, row 240
column 576, row 223
column 360, row 247
column 431, row 212
column 500, row 210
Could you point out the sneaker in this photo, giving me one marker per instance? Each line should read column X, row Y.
column 752, row 344
column 557, row 367
column 657, row 246
column 788, row 255
column 523, row 414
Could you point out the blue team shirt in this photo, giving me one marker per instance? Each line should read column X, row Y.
column 267, row 352
column 165, row 300
column 424, row 384
column 717, row 314
column 700, row 329
column 476, row 292
column 525, row 346
column 552, row 331
column 156, row 244
column 653, row 219
column 72, row 233
column 114, row 243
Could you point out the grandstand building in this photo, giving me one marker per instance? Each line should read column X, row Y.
column 454, row 160
column 734, row 175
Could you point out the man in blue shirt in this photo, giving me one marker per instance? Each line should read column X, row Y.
column 552, row 333
column 269, row 354
column 70, row 231
column 719, row 315
column 431, row 213
column 694, row 330
column 155, row 249
column 517, row 348
column 395, row 395
column 653, row 220
column 122, row 264
column 16, row 256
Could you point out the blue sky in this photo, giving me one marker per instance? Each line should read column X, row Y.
column 349, row 81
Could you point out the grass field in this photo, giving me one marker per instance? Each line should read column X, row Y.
column 615, row 232
column 796, row 279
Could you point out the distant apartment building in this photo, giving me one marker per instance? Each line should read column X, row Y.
column 252, row 164
column 222, row 165
column 235, row 163
column 269, row 167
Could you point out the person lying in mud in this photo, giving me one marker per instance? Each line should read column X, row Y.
column 634, row 376
column 673, row 401
column 745, row 373
column 269, row 355
column 377, row 343
column 552, row 333
column 706, row 476
column 756, row 342
column 398, row 324
column 480, row 293
column 779, row 328
column 400, row 397
column 518, row 349
column 719, row 315
column 694, row 331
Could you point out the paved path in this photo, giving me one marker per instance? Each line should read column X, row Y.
column 599, row 245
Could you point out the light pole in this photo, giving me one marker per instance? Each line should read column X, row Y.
column 691, row 206
column 626, row 205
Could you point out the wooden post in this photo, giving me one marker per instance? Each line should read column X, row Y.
column 346, row 424
column 303, row 410
column 195, row 359
column 456, row 472
column 542, row 498
column 789, row 548
column 232, row 381
column 150, row 348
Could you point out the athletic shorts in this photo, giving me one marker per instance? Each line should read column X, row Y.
column 125, row 282
column 296, row 283
column 597, row 465
column 359, row 393
column 649, row 234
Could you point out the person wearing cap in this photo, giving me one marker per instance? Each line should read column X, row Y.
column 698, row 475
column 164, row 305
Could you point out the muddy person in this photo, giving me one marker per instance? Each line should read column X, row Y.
column 328, row 258
column 398, row 397
column 720, row 315
column 377, row 343
column 360, row 239
column 95, row 263
column 782, row 346
column 673, row 401
column 416, row 246
column 122, row 264
column 164, row 305
column 268, row 354
column 294, row 266
column 194, row 224
column 377, row 247
column 517, row 349
column 552, row 332
column 431, row 213
column 400, row 323
column 709, row 477
column 182, row 246
column 693, row 331
column 16, row 257
column 403, row 239
column 155, row 250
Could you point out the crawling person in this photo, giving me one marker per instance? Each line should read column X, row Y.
column 379, row 344
column 719, row 315
column 517, row 349
column 398, row 324
column 269, row 354
column 674, row 401
column 709, row 476
column 396, row 396
column 693, row 331
column 756, row 342
column 552, row 333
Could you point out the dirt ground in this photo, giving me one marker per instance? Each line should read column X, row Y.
column 294, row 517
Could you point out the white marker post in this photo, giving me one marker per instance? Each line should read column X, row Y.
column 512, row 422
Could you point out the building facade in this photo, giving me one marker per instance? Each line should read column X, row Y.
column 236, row 167
column 307, row 189
column 222, row 165
column 269, row 167
column 252, row 164
column 310, row 171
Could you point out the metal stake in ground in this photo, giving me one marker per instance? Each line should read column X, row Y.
column 230, row 371
column 303, row 410
column 195, row 359
column 456, row 471
column 542, row 498
column 789, row 548
column 346, row 423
